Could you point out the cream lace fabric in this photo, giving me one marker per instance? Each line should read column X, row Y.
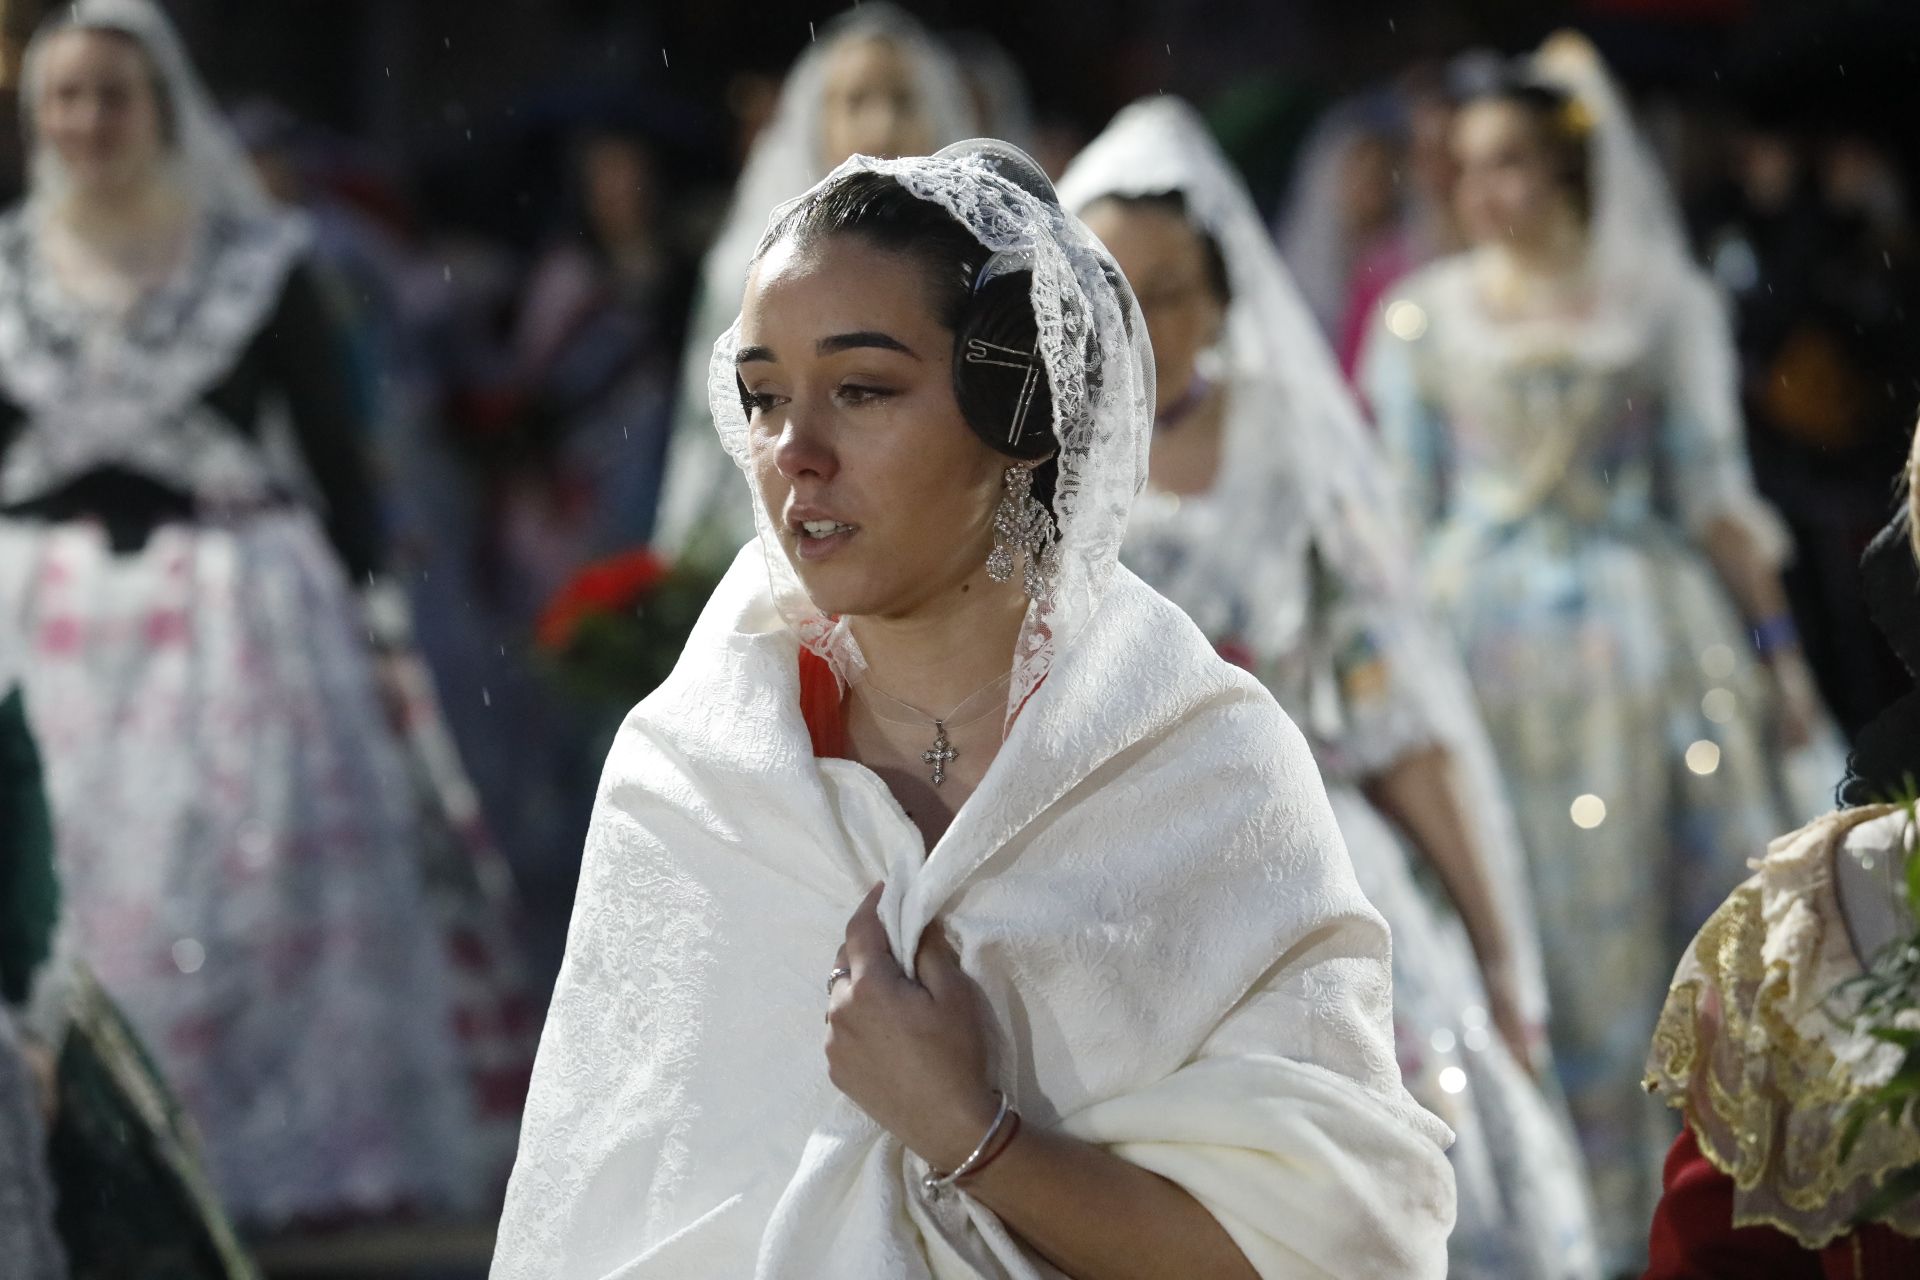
column 127, row 393
column 1755, row 1051
column 1147, row 887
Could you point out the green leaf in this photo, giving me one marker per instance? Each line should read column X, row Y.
column 1893, row 1193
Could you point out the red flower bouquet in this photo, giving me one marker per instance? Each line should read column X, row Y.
column 615, row 630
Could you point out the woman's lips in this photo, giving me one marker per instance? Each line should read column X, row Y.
column 813, row 542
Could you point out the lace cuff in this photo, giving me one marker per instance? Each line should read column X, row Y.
column 1747, row 1049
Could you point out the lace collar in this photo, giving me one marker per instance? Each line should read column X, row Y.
column 1754, row 1048
column 174, row 343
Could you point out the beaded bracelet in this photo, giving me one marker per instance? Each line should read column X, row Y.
column 936, row 1183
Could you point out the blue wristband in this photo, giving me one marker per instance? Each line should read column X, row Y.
column 1773, row 635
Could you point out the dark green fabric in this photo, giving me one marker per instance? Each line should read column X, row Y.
column 29, row 892
column 134, row 1202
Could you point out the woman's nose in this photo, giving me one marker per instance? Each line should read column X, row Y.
column 805, row 447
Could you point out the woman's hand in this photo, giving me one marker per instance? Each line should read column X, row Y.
column 1522, row 1038
column 1800, row 711
column 911, row 1054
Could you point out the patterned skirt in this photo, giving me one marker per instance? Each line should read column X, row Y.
column 1523, row 1211
column 1636, row 733
column 257, row 864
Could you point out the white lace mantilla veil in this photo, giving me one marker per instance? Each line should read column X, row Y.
column 1102, row 412
column 784, row 162
column 212, row 164
column 1320, row 448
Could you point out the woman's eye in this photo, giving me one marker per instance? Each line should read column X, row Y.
column 757, row 401
column 854, row 394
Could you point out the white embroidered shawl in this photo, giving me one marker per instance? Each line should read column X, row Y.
column 1147, row 886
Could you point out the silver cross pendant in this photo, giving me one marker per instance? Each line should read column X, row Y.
column 940, row 753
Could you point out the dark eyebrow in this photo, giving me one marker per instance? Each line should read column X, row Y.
column 864, row 338
column 747, row 355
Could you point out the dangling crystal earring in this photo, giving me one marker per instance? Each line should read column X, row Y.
column 1021, row 524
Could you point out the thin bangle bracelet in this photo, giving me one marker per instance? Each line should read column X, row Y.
column 934, row 1184
column 1013, row 1131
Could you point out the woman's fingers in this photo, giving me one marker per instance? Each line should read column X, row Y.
column 937, row 966
column 867, row 946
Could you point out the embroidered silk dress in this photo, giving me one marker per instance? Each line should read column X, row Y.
column 1565, row 468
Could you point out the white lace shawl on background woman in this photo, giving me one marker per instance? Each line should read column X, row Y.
column 700, row 499
column 1307, row 440
column 1147, row 887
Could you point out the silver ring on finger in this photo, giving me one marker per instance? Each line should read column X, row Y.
column 839, row 971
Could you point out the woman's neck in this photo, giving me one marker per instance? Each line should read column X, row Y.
column 111, row 221
column 949, row 649
column 1186, row 459
column 1557, row 251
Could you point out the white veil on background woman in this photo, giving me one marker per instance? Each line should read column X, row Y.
column 786, row 160
column 209, row 162
column 1320, row 448
column 1638, row 256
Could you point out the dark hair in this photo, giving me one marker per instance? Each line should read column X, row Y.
column 1175, row 203
column 876, row 208
column 1562, row 124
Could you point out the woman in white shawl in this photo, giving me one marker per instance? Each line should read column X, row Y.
column 1110, row 893
column 874, row 82
column 1270, row 522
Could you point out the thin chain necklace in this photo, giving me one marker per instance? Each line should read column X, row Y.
column 942, row 752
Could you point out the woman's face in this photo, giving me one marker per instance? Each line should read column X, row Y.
column 617, row 177
column 880, row 493
column 97, row 108
column 1369, row 192
column 1165, row 260
column 871, row 105
column 1506, row 189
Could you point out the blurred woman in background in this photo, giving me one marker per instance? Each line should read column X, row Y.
column 1561, row 403
column 1269, row 520
column 1785, row 1021
column 217, row 671
column 874, row 83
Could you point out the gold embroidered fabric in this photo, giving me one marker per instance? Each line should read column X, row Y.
column 1748, row 1049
